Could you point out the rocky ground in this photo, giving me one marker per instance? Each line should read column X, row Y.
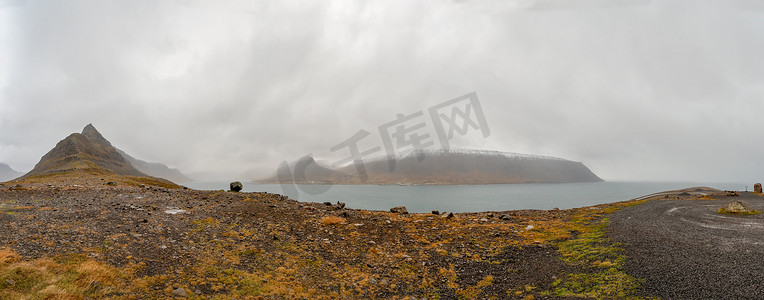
column 687, row 250
column 93, row 239
column 107, row 238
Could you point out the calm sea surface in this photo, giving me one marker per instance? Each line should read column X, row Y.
column 467, row 198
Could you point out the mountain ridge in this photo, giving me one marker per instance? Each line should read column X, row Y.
column 155, row 169
column 8, row 173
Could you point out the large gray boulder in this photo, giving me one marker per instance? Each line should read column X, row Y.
column 738, row 207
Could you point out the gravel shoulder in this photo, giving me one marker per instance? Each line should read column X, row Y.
column 684, row 249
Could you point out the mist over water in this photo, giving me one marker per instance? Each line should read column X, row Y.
column 471, row 198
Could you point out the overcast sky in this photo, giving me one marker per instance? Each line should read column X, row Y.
column 634, row 89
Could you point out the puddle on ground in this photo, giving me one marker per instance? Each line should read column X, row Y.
column 175, row 211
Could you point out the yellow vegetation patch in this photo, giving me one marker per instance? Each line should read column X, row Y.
column 7, row 256
column 46, row 278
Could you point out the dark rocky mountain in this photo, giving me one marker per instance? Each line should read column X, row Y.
column 308, row 171
column 88, row 151
column 155, row 169
column 8, row 173
column 88, row 157
column 454, row 167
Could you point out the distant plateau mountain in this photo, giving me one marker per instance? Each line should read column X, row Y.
column 444, row 167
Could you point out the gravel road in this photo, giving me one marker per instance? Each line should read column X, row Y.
column 685, row 250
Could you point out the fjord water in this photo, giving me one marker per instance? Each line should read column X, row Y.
column 467, row 198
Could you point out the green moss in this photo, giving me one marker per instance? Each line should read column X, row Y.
column 725, row 211
column 600, row 261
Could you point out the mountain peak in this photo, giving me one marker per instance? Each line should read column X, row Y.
column 92, row 134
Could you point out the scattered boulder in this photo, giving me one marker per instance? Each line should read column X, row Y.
column 111, row 183
column 447, row 215
column 737, row 207
column 236, row 186
column 340, row 205
column 179, row 292
column 327, row 203
column 399, row 210
column 505, row 217
column 757, row 188
column 435, row 212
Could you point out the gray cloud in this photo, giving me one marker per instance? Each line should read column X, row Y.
column 647, row 90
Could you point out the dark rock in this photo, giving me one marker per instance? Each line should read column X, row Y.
column 340, row 205
column 236, row 186
column 399, row 210
column 327, row 203
column 505, row 217
column 738, row 207
column 435, row 212
column 757, row 188
column 447, row 215
column 111, row 183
